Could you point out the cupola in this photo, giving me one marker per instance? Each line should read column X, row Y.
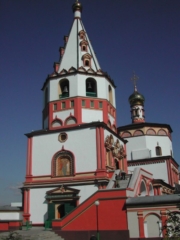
column 136, row 101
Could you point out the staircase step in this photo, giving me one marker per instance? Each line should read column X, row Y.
column 34, row 234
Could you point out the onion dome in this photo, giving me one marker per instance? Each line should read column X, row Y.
column 136, row 98
column 77, row 6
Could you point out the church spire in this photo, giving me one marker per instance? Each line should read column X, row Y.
column 77, row 9
column 136, row 101
column 78, row 52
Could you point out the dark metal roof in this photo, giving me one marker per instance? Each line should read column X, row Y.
column 9, row 208
column 153, row 200
column 69, row 128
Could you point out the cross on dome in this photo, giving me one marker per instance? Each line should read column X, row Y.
column 134, row 80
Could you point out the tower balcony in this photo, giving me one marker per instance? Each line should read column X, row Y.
column 64, row 95
column 91, row 94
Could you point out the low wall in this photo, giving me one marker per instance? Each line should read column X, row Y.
column 85, row 235
column 9, row 225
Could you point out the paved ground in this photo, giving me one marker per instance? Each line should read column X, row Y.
column 35, row 233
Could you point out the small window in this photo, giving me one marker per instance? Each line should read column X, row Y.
column 83, row 103
column 92, row 104
column 62, row 137
column 87, row 63
column 72, row 103
column 100, row 104
column 55, row 106
column 63, row 104
column 158, row 151
column 84, row 48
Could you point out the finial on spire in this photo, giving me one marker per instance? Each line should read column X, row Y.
column 134, row 80
column 77, row 6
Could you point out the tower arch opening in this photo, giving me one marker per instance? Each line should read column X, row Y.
column 63, row 88
column 91, row 87
column 110, row 94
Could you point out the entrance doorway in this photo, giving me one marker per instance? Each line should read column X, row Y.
column 65, row 207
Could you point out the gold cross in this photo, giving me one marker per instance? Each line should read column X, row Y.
column 134, row 79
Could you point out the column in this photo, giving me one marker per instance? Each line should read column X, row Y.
column 141, row 224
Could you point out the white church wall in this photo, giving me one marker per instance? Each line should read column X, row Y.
column 133, row 224
column 63, row 114
column 85, row 191
column 159, row 170
column 84, row 150
column 163, row 141
column 54, row 90
column 38, row 205
column 143, row 144
column 111, row 119
column 135, row 143
column 11, row 216
column 89, row 115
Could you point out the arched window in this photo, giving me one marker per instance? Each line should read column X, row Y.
column 162, row 132
column 91, row 87
column 63, row 164
column 63, row 88
column 70, row 121
column 151, row 190
column 56, row 123
column 142, row 190
column 152, row 226
column 126, row 134
column 150, row 132
column 82, row 34
column 158, row 151
column 138, row 133
column 46, row 96
column 110, row 94
column 83, row 45
column 86, row 60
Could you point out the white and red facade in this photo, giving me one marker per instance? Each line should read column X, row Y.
column 73, row 159
column 78, row 147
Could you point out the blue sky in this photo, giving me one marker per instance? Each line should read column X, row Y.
column 127, row 35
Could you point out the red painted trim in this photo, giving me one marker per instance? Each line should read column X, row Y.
column 78, row 108
column 76, row 178
column 163, row 220
column 152, row 213
column 155, row 191
column 71, row 116
column 83, row 217
column 141, row 224
column 29, row 157
column 102, row 148
column 98, row 148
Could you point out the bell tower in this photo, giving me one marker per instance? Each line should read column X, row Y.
column 78, row 91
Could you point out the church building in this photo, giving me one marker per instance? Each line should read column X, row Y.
column 84, row 174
